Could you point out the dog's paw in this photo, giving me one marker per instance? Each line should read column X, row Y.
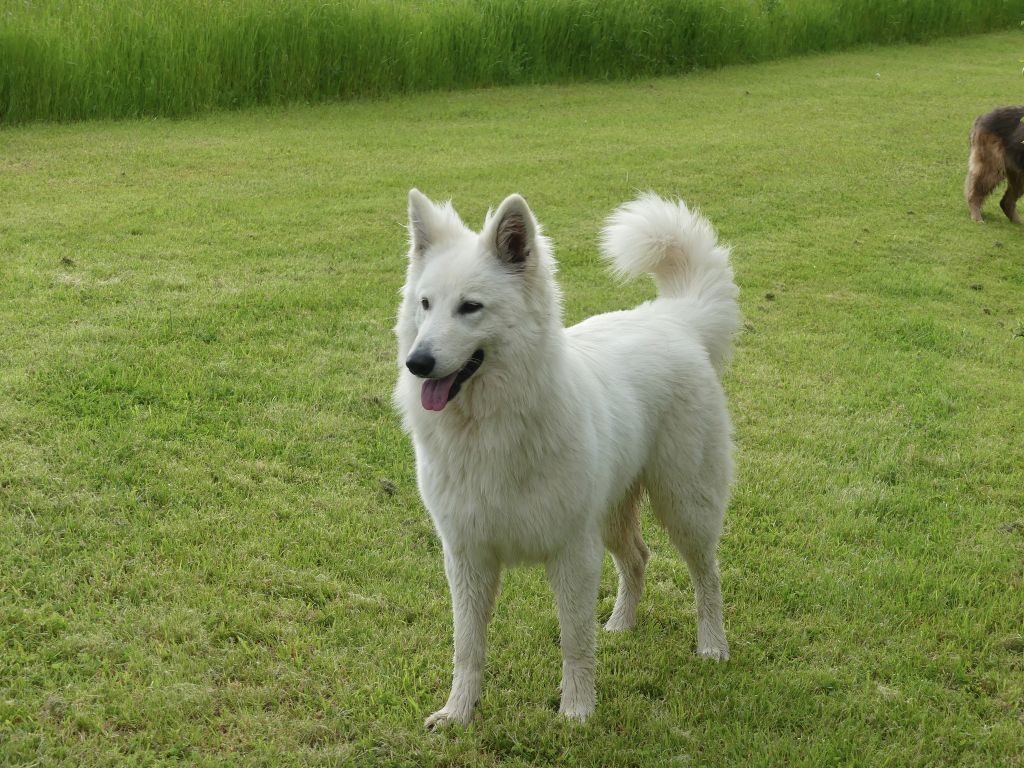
column 578, row 695
column 714, row 653
column 619, row 624
column 444, row 718
column 577, row 711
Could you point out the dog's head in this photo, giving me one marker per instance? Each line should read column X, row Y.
column 471, row 301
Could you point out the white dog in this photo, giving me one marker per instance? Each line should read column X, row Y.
column 534, row 442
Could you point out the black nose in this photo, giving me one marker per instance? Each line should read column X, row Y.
column 420, row 362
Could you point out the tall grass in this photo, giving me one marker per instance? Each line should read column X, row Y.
column 79, row 59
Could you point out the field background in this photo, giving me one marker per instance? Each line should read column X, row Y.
column 80, row 59
column 211, row 547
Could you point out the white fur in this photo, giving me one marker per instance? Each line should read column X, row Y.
column 544, row 454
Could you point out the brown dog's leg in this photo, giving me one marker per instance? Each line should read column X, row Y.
column 978, row 187
column 1014, row 191
column 974, row 200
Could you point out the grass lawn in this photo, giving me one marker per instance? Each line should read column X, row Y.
column 212, row 551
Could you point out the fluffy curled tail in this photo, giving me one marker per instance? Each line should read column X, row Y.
column 680, row 248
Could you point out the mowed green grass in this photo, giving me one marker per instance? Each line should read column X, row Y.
column 212, row 551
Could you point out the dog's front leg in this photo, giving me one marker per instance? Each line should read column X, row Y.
column 575, row 577
column 474, row 585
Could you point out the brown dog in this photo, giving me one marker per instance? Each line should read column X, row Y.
column 997, row 151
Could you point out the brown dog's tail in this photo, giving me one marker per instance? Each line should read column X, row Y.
column 986, row 167
column 987, row 153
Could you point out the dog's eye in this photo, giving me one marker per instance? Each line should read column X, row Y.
column 425, row 303
column 469, row 307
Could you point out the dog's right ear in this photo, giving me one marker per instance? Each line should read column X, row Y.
column 422, row 219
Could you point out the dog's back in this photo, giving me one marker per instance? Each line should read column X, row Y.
column 997, row 152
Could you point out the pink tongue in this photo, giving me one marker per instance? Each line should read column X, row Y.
column 434, row 394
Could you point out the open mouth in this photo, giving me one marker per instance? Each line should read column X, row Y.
column 437, row 393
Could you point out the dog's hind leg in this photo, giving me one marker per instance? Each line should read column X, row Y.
column 624, row 540
column 691, row 503
column 575, row 576
column 1014, row 191
column 978, row 186
column 694, row 525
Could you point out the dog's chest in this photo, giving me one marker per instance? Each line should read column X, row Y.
column 518, row 498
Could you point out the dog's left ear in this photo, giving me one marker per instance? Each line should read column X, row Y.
column 512, row 231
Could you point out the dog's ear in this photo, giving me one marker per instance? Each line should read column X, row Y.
column 422, row 220
column 513, row 230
